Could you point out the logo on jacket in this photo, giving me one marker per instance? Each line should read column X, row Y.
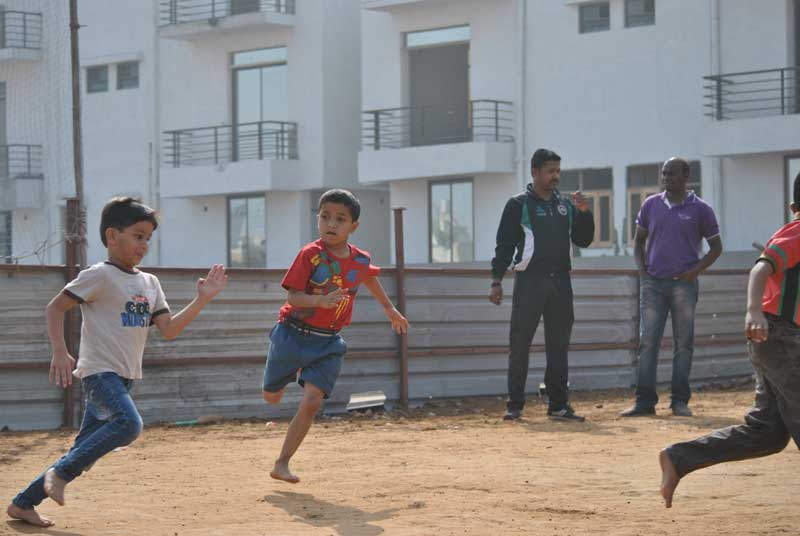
column 562, row 210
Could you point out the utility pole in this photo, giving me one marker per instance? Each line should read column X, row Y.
column 75, row 228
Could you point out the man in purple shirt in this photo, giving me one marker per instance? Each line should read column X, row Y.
column 671, row 225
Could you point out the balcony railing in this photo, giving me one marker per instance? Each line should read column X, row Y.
column 752, row 94
column 481, row 120
column 230, row 143
column 20, row 29
column 21, row 161
column 182, row 11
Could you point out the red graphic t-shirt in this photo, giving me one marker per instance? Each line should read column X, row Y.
column 317, row 271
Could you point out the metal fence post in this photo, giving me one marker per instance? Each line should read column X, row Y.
column 718, row 114
column 376, row 125
column 400, row 291
column 260, row 140
column 783, row 92
column 173, row 11
column 176, row 151
column 216, row 145
column 71, row 321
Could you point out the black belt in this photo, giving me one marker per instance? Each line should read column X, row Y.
column 307, row 329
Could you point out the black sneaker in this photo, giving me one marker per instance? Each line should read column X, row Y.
column 681, row 409
column 564, row 414
column 512, row 415
column 638, row 411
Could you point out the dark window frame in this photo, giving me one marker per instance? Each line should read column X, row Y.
column 595, row 27
column 96, row 85
column 648, row 19
column 128, row 81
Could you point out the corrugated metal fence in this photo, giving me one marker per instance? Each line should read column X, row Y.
column 458, row 342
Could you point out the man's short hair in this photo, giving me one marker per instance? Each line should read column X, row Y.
column 122, row 212
column 796, row 196
column 540, row 156
column 344, row 197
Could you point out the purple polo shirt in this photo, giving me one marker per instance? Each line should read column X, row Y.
column 675, row 233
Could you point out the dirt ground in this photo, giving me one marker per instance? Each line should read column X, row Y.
column 449, row 468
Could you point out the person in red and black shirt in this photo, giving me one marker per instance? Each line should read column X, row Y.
column 772, row 328
column 305, row 345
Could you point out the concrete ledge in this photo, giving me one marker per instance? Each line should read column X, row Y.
column 772, row 134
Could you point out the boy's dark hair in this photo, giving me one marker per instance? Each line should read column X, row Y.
column 540, row 156
column 122, row 212
column 796, row 196
column 344, row 197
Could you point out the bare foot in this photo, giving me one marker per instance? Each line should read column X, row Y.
column 281, row 472
column 28, row 516
column 669, row 477
column 54, row 486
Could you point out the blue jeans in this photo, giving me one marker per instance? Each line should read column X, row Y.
column 110, row 420
column 657, row 298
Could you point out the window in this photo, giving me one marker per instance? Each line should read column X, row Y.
column 261, row 93
column 645, row 180
column 598, row 188
column 128, row 75
column 594, row 17
column 451, row 222
column 5, row 237
column 245, row 6
column 97, row 79
column 640, row 13
column 247, row 232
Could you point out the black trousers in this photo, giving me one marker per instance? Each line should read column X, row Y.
column 774, row 417
column 537, row 295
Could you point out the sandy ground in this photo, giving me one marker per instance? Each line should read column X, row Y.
column 448, row 468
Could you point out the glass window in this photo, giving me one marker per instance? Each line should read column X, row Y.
column 594, row 17
column 5, row 237
column 247, row 232
column 261, row 91
column 597, row 185
column 245, row 6
column 640, row 13
column 451, row 222
column 442, row 36
column 97, row 79
column 128, row 75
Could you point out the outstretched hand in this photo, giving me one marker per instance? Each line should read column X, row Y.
column 399, row 322
column 213, row 283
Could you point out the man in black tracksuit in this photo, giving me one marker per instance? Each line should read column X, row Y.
column 539, row 224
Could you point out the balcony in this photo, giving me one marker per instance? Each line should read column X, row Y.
column 391, row 5
column 249, row 157
column 428, row 142
column 752, row 112
column 21, row 177
column 193, row 19
column 20, row 36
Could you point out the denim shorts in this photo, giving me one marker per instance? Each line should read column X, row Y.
column 319, row 358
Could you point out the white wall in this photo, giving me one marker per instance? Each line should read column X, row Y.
column 754, row 39
column 193, row 231
column 753, row 199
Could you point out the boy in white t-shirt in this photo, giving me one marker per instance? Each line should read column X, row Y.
column 118, row 305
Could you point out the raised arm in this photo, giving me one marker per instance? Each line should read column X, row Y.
column 582, row 231
column 207, row 288
column 62, row 363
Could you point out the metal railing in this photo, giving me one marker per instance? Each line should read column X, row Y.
column 182, row 11
column 752, row 93
column 230, row 143
column 480, row 120
column 20, row 29
column 20, row 161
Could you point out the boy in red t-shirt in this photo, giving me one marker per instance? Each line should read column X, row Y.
column 772, row 327
column 305, row 345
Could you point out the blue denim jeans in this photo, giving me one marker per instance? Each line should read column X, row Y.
column 110, row 420
column 657, row 298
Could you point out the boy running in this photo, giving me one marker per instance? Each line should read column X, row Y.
column 118, row 305
column 773, row 333
column 305, row 345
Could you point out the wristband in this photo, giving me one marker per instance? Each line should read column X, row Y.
column 496, row 284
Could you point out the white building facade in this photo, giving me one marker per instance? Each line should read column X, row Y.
column 230, row 117
column 615, row 87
